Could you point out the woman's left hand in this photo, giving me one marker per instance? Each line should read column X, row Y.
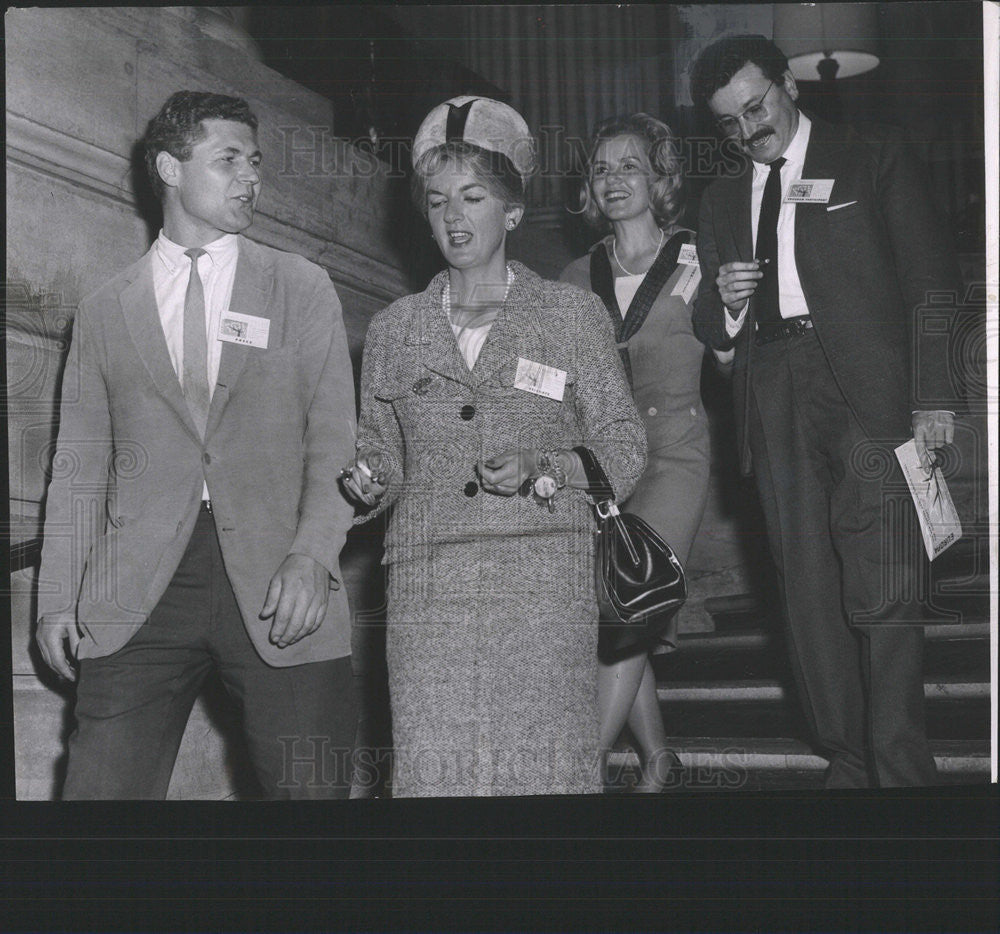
column 505, row 473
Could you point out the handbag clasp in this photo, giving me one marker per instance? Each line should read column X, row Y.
column 607, row 509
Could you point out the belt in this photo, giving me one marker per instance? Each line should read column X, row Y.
column 782, row 329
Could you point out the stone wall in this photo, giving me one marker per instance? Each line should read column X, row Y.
column 81, row 85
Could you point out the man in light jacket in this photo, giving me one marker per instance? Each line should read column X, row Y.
column 193, row 520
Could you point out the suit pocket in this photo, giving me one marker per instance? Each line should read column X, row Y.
column 417, row 386
column 846, row 213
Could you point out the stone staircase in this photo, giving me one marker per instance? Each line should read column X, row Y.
column 731, row 712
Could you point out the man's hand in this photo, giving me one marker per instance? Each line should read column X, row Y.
column 296, row 598
column 737, row 282
column 51, row 636
column 504, row 473
column 932, row 430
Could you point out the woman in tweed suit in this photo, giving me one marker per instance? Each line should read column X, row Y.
column 646, row 272
column 474, row 393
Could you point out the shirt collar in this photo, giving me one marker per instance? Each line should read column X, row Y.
column 795, row 154
column 219, row 251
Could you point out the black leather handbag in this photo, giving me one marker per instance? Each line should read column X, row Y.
column 640, row 583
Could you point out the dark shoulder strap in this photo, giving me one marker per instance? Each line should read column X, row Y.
column 662, row 269
column 602, row 283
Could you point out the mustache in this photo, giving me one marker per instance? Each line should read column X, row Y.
column 759, row 135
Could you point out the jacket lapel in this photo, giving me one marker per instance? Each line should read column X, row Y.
column 252, row 287
column 142, row 319
column 431, row 336
column 740, row 222
column 517, row 332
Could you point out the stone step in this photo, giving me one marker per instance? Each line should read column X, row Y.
column 735, row 763
column 958, row 706
column 950, row 652
column 966, row 719
column 952, row 689
column 962, row 603
column 958, row 589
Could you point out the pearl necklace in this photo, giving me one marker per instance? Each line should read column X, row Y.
column 446, row 292
column 614, row 251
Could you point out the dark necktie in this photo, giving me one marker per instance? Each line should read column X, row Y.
column 766, row 296
column 195, row 380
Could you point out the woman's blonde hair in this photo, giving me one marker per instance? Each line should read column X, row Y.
column 666, row 189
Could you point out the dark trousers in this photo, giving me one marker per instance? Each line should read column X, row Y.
column 845, row 571
column 132, row 706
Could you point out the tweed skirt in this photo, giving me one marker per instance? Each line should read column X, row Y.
column 492, row 654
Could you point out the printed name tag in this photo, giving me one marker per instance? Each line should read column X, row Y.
column 688, row 255
column 540, row 379
column 244, row 329
column 689, row 278
column 809, row 191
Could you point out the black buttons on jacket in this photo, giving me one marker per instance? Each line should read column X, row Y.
column 471, row 488
column 467, row 412
column 206, row 457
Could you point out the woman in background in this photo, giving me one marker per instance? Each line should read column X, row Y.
column 646, row 272
column 472, row 392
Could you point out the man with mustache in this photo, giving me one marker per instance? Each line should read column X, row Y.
column 818, row 299
column 194, row 518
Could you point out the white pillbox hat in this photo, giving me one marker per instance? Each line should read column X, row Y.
column 483, row 122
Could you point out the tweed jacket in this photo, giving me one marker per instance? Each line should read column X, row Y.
column 874, row 264
column 129, row 466
column 433, row 419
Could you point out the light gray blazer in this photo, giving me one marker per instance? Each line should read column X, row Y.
column 129, row 466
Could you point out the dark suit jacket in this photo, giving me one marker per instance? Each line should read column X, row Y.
column 867, row 269
column 129, row 465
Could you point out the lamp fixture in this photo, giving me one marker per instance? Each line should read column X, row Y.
column 827, row 41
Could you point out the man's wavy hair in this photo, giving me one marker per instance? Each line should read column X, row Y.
column 717, row 64
column 666, row 189
column 178, row 126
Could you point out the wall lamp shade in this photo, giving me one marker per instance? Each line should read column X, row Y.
column 827, row 40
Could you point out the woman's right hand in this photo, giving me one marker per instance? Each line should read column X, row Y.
column 363, row 480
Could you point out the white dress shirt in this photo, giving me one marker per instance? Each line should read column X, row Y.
column 171, row 272
column 791, row 300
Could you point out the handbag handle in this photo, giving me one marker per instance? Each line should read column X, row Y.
column 599, row 488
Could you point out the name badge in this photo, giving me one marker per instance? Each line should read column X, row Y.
column 809, row 191
column 688, row 255
column 248, row 330
column 686, row 283
column 540, row 379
